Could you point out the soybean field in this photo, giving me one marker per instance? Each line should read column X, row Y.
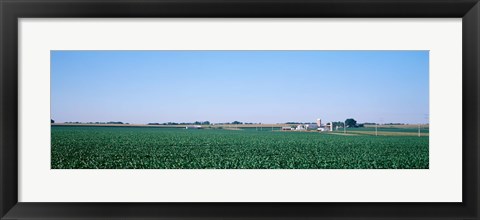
column 96, row 147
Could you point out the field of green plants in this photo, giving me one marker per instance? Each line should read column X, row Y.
column 85, row 147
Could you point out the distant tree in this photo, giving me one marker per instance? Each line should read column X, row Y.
column 115, row 122
column 338, row 124
column 237, row 123
column 350, row 122
column 52, row 121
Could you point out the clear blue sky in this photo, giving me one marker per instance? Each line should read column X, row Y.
column 247, row 86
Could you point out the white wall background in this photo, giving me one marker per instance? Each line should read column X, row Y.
column 441, row 183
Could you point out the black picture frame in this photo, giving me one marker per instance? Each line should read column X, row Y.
column 12, row 10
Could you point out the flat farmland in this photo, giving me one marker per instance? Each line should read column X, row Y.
column 96, row 147
column 388, row 130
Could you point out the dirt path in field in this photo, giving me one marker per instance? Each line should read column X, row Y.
column 347, row 134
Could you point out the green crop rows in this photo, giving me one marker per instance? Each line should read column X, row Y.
column 175, row 148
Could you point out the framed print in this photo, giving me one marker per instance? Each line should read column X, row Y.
column 253, row 110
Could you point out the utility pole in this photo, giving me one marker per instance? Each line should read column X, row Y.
column 344, row 128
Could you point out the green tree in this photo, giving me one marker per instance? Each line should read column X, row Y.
column 350, row 122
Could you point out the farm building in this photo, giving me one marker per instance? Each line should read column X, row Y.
column 311, row 126
column 326, row 127
column 194, row 127
column 302, row 127
column 318, row 126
